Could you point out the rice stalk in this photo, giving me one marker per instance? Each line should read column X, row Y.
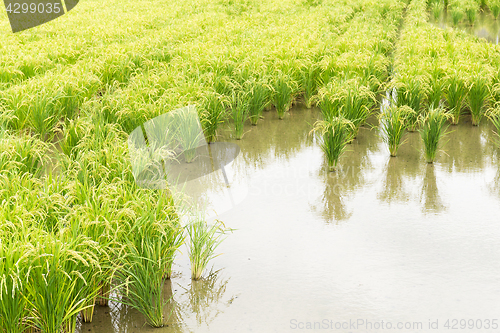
column 432, row 131
column 284, row 88
column 239, row 105
column 260, row 98
column 334, row 133
column 478, row 96
column 212, row 114
column 455, row 93
column 393, row 126
column 203, row 240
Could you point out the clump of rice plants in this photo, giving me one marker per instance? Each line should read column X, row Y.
column 393, row 126
column 457, row 13
column 432, row 131
column 284, row 89
column 203, row 241
column 437, row 8
column 240, row 102
column 43, row 113
column 54, row 281
column 260, row 97
column 334, row 133
column 212, row 114
column 471, row 8
column 13, row 307
column 478, row 96
column 309, row 75
column 147, row 258
column 329, row 100
column 455, row 93
column 494, row 6
column 356, row 103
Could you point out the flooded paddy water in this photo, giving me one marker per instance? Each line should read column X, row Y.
column 382, row 239
column 485, row 26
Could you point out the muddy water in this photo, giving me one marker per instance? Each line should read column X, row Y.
column 383, row 239
column 485, row 26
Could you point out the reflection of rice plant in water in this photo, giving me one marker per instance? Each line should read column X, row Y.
column 478, row 95
column 393, row 126
column 455, row 94
column 334, row 133
column 432, row 131
column 494, row 6
column 283, row 93
column 260, row 95
column 239, row 109
column 203, row 241
column 212, row 114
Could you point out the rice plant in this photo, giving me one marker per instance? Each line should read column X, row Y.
column 356, row 101
column 203, row 240
column 334, row 134
column 437, row 8
column 260, row 97
column 212, row 114
column 478, row 96
column 13, row 307
column 284, row 88
column 432, row 131
column 471, row 10
column 457, row 13
column 309, row 76
column 43, row 114
column 455, row 93
column 494, row 6
column 52, row 292
column 240, row 102
column 393, row 127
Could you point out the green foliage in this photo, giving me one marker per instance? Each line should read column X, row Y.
column 334, row 135
column 393, row 126
column 432, row 131
column 478, row 96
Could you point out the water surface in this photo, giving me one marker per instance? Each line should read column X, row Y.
column 382, row 239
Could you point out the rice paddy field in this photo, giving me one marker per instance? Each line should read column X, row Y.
column 363, row 195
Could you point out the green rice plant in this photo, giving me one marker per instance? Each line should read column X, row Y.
column 23, row 153
column 309, row 80
column 52, row 292
column 189, row 131
column 393, row 127
column 284, row 88
column 14, row 102
column 260, row 97
column 239, row 105
column 457, row 13
column 43, row 114
column 436, row 88
column 203, row 240
column 455, row 93
column 150, row 245
column 432, row 131
column 329, row 100
column 494, row 6
column 212, row 114
column 411, row 92
column 356, row 103
column 13, row 309
column 437, row 8
column 494, row 116
column 411, row 118
column 334, row 133
column 471, row 9
column 72, row 133
column 478, row 96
